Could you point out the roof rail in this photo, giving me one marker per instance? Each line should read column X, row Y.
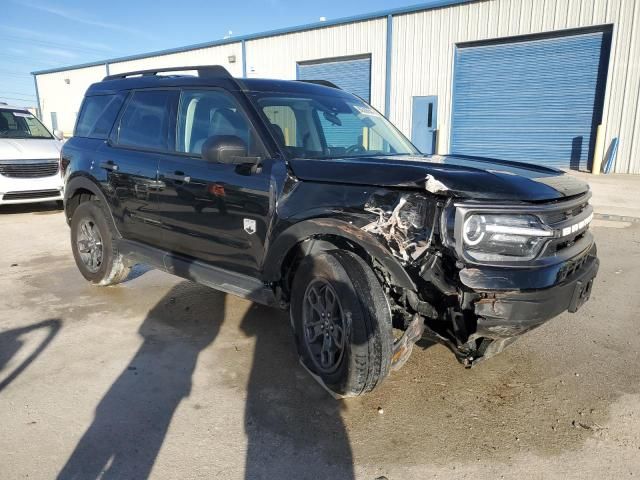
column 203, row 71
column 324, row 83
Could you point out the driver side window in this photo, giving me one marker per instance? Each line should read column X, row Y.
column 207, row 113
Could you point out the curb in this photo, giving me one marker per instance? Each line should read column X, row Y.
column 616, row 218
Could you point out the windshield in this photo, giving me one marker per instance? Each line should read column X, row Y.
column 330, row 126
column 21, row 124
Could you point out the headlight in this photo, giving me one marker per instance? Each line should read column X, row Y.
column 495, row 237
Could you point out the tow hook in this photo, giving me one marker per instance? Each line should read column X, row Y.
column 403, row 346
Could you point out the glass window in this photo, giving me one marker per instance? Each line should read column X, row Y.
column 330, row 126
column 146, row 120
column 97, row 116
column 283, row 124
column 207, row 113
column 21, row 124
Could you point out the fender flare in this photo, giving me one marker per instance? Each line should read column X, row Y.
column 84, row 183
column 307, row 229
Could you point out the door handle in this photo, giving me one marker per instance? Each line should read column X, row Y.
column 178, row 176
column 109, row 166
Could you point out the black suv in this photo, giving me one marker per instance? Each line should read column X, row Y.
column 299, row 195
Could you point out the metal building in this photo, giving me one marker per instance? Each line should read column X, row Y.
column 528, row 80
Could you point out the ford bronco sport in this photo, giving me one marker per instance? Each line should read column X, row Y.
column 302, row 196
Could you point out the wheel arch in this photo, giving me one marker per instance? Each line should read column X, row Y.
column 81, row 185
column 323, row 234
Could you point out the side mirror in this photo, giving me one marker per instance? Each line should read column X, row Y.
column 227, row 149
column 58, row 134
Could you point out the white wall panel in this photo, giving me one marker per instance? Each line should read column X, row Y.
column 423, row 66
column 218, row 55
column 277, row 56
column 56, row 95
column 422, row 62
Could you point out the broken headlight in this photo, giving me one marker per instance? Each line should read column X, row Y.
column 500, row 237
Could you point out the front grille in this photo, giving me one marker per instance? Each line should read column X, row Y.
column 558, row 216
column 29, row 169
column 563, row 214
column 31, row 195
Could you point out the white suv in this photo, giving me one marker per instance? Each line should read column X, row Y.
column 29, row 159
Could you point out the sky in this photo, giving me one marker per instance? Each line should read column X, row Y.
column 43, row 34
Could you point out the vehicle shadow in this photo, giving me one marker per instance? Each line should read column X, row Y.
column 132, row 419
column 294, row 427
column 11, row 343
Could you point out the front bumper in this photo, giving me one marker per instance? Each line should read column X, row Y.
column 490, row 317
column 30, row 190
column 30, row 196
column 512, row 313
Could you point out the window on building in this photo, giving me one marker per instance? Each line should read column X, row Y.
column 146, row 120
column 97, row 116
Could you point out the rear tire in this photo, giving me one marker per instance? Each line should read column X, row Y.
column 94, row 247
column 342, row 322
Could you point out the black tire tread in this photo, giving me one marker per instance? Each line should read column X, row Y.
column 116, row 270
column 371, row 332
column 365, row 283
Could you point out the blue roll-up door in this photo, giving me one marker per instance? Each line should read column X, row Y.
column 535, row 101
column 352, row 74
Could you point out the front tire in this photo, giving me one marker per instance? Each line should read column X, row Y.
column 342, row 322
column 94, row 247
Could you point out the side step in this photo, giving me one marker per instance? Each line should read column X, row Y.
column 229, row 282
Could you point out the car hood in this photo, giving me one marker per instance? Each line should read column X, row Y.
column 29, row 148
column 460, row 176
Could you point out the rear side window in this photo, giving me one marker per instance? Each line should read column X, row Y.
column 97, row 116
column 146, row 120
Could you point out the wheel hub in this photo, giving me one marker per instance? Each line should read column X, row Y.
column 324, row 326
column 89, row 242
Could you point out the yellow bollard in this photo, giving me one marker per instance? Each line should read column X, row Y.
column 597, row 153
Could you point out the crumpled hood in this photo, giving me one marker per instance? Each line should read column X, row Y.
column 29, row 149
column 460, row 176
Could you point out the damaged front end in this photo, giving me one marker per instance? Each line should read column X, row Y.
column 483, row 275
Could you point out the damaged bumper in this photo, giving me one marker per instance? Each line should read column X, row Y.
column 501, row 316
column 539, row 261
column 513, row 313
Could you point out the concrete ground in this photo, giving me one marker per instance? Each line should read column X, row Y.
column 614, row 195
column 162, row 378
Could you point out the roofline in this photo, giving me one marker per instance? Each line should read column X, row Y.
column 269, row 33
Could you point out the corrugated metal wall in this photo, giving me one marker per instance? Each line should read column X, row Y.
column 56, row 95
column 218, row 55
column 422, row 59
column 276, row 57
column 64, row 99
column 424, row 43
